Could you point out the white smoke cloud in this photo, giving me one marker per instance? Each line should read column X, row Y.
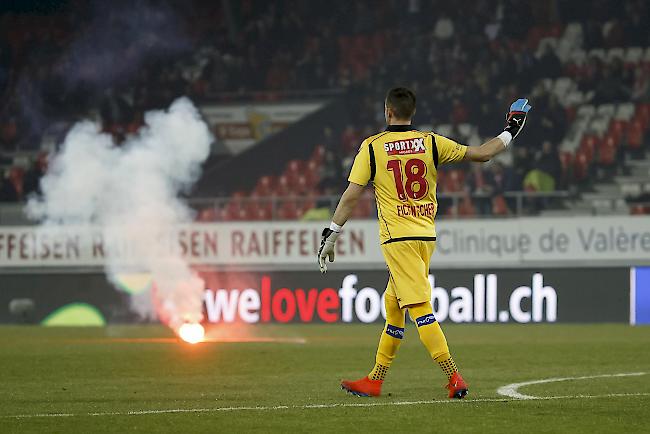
column 130, row 194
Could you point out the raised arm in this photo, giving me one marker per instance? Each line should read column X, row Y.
column 516, row 118
column 487, row 150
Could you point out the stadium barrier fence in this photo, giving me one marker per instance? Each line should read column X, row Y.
column 520, row 203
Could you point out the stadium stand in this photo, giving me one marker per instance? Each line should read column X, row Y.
column 585, row 150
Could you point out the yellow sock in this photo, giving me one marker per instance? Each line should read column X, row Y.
column 447, row 365
column 378, row 372
column 391, row 338
column 432, row 336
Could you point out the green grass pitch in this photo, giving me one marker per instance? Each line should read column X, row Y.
column 93, row 378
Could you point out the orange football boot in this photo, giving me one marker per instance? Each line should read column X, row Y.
column 364, row 387
column 457, row 386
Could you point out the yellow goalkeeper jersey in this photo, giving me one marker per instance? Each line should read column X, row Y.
column 402, row 163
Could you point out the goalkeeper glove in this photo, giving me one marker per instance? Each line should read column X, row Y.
column 326, row 250
column 516, row 117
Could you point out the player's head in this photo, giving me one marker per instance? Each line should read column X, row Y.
column 399, row 105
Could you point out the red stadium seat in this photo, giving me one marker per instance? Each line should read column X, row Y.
column 566, row 158
column 535, row 34
column 499, row 206
column 440, row 180
column 231, row 210
column 208, row 215
column 588, row 146
column 634, row 137
column 643, row 114
column 261, row 212
column 295, row 166
column 243, row 214
column 305, row 204
column 617, row 130
column 312, row 166
column 318, row 154
column 466, row 207
column 228, row 214
column 581, row 166
column 265, row 182
column 264, row 186
column 301, row 185
column 455, row 181
column 554, row 30
column 16, row 177
column 570, row 113
column 288, row 210
column 639, row 209
column 312, row 179
column 283, row 186
column 607, row 151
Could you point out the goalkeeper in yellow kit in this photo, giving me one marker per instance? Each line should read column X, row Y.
column 402, row 164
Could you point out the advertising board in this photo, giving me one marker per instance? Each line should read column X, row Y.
column 459, row 296
column 503, row 243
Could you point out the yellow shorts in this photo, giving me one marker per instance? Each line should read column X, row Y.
column 408, row 270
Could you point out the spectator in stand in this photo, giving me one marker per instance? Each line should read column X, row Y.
column 329, row 142
column 480, row 184
column 523, row 163
column 459, row 112
column 641, row 88
column 593, row 34
column 287, row 46
column 591, row 74
column 610, row 87
column 8, row 133
column 32, row 180
column 613, row 33
column 444, row 28
column 549, row 65
column 502, row 178
column 548, row 162
column 324, row 206
column 552, row 119
column 350, row 140
column 331, row 174
column 636, row 27
column 8, row 190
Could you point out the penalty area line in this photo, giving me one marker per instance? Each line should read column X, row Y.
column 512, row 390
column 317, row 406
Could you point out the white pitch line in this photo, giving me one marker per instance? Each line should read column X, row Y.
column 315, row 406
column 511, row 390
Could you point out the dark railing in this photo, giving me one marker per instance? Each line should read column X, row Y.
column 454, row 205
column 450, row 205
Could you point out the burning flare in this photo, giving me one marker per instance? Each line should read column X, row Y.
column 192, row 333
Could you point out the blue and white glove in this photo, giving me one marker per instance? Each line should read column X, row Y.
column 516, row 117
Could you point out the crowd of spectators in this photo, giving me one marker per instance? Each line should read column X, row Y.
column 466, row 69
column 112, row 61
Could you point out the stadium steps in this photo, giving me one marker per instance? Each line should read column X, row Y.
column 557, row 213
column 603, row 199
column 639, row 168
column 609, row 198
column 607, row 188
